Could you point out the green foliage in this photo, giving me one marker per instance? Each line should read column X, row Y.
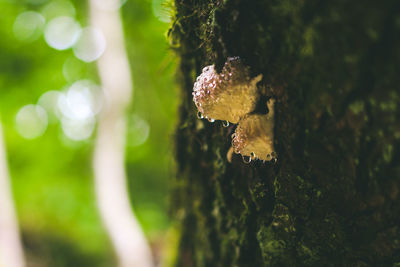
column 51, row 175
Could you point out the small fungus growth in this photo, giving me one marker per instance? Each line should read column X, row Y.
column 254, row 136
column 227, row 96
column 231, row 96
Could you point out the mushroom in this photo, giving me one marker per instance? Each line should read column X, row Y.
column 227, row 96
column 254, row 136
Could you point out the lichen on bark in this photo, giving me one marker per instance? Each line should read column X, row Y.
column 332, row 199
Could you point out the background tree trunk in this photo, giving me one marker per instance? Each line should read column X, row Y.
column 123, row 228
column 11, row 249
column 332, row 198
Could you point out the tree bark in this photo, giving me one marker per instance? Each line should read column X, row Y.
column 11, row 249
column 332, row 198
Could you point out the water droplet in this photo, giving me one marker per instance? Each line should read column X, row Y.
column 210, row 120
column 200, row 115
column 225, row 123
column 246, row 159
column 252, row 155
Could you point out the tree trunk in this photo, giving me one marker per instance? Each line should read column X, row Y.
column 11, row 249
column 332, row 198
column 123, row 228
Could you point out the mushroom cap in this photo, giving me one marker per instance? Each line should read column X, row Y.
column 254, row 137
column 227, row 96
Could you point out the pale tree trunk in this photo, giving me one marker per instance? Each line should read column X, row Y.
column 11, row 252
column 113, row 202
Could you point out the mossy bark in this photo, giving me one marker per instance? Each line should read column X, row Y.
column 333, row 196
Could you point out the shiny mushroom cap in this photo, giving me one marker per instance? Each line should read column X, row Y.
column 227, row 96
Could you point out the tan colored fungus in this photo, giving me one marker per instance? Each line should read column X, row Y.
column 254, row 136
column 231, row 96
column 227, row 96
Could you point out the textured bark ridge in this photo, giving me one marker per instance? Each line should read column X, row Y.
column 333, row 196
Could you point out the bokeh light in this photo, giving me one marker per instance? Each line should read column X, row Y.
column 62, row 32
column 138, row 130
column 83, row 100
column 91, row 44
column 74, row 69
column 78, row 107
column 58, row 8
column 28, row 26
column 31, row 121
column 49, row 101
column 78, row 129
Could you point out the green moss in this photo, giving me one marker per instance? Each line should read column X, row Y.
column 309, row 35
column 390, row 105
column 270, row 247
column 388, row 153
column 357, row 107
column 332, row 68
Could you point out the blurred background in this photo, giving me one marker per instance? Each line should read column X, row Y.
column 50, row 100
